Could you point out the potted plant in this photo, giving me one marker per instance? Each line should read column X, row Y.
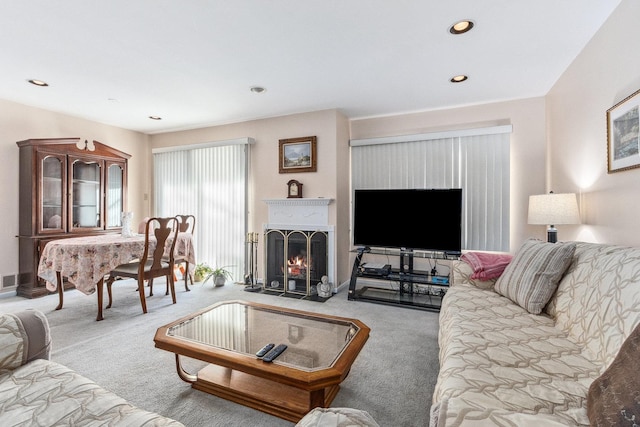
column 202, row 271
column 220, row 275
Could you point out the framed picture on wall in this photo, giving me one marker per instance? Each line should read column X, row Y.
column 298, row 155
column 623, row 134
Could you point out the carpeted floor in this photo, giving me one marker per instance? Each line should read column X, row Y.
column 392, row 378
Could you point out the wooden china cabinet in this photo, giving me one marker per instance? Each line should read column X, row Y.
column 65, row 191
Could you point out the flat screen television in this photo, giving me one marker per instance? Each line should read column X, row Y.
column 422, row 219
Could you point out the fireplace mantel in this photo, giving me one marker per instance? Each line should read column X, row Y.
column 319, row 201
column 312, row 212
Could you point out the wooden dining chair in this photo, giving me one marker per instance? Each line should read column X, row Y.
column 187, row 224
column 160, row 238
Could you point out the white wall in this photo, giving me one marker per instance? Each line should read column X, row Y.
column 603, row 74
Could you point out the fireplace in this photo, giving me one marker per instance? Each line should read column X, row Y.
column 298, row 246
column 295, row 260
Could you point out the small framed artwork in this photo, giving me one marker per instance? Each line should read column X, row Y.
column 623, row 142
column 298, row 155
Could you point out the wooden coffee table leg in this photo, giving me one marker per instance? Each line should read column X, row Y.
column 316, row 399
column 60, row 290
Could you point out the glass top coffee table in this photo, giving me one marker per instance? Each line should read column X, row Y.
column 320, row 352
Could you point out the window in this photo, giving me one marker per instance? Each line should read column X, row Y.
column 475, row 160
column 210, row 182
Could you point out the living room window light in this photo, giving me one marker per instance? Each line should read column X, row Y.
column 476, row 160
column 207, row 180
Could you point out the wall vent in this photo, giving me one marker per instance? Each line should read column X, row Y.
column 9, row 281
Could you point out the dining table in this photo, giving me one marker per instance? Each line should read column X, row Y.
column 85, row 261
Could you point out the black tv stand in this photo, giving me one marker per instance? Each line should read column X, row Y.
column 404, row 286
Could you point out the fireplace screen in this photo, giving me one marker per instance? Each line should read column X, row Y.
column 295, row 261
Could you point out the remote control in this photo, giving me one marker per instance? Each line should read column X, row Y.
column 264, row 350
column 274, row 353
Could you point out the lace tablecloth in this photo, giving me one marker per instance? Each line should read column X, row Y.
column 86, row 260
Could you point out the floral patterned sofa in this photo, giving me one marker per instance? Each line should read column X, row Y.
column 35, row 391
column 574, row 363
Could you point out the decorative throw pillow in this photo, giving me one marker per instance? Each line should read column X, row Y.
column 614, row 397
column 532, row 276
column 486, row 266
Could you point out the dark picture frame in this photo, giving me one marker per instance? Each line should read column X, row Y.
column 298, row 155
column 623, row 134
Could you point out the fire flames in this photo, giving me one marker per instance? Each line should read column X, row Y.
column 297, row 266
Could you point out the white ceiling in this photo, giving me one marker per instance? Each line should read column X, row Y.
column 192, row 62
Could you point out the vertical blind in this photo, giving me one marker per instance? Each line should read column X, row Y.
column 477, row 161
column 211, row 183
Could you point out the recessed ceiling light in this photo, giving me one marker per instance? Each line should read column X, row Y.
column 257, row 89
column 155, row 117
column 38, row 82
column 459, row 78
column 461, row 27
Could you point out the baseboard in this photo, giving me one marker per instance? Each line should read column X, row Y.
column 341, row 286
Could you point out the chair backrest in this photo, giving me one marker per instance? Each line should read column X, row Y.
column 165, row 233
column 187, row 223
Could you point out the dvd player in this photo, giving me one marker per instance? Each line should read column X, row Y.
column 376, row 269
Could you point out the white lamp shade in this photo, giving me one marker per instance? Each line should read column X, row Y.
column 554, row 209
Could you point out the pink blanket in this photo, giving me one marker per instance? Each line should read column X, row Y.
column 485, row 265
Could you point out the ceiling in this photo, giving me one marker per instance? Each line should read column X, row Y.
column 193, row 62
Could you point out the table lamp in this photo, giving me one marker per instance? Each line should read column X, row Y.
column 552, row 209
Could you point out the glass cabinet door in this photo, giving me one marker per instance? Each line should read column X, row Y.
column 114, row 197
column 85, row 194
column 52, row 217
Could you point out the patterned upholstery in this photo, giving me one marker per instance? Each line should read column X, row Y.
column 598, row 300
column 13, row 344
column 461, row 272
column 500, row 365
column 532, row 277
column 337, row 417
column 44, row 393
